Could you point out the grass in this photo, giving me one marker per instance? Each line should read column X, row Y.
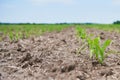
column 16, row 32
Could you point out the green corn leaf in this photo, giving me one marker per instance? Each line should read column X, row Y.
column 97, row 41
column 96, row 51
column 106, row 43
column 101, row 55
column 91, row 53
column 81, row 32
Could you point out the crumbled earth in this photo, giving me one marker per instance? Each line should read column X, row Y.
column 55, row 56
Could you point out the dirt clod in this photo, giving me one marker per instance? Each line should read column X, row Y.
column 81, row 77
column 107, row 72
column 25, row 58
column 102, row 35
column 67, row 67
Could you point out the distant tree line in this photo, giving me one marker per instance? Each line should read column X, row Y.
column 116, row 22
column 16, row 23
column 22, row 23
column 87, row 23
column 46, row 23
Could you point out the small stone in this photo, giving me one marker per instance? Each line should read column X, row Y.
column 54, row 70
column 118, row 63
column 71, row 67
column 102, row 36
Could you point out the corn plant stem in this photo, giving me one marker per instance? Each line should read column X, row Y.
column 83, row 47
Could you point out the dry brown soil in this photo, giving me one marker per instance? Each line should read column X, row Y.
column 54, row 56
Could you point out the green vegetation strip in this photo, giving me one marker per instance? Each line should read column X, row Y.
column 106, row 27
column 16, row 32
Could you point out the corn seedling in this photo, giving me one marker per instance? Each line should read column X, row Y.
column 11, row 36
column 81, row 33
column 96, row 49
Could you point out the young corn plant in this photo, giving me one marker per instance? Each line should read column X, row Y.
column 97, row 50
column 81, row 34
column 11, row 36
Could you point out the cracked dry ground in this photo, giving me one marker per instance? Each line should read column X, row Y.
column 52, row 56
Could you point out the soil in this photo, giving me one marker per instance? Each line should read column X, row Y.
column 55, row 56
